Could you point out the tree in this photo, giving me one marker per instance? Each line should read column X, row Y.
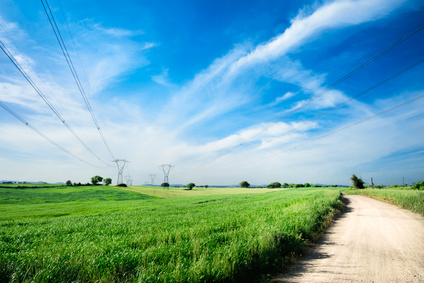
column 357, row 182
column 96, row 179
column 206, row 186
column 107, row 181
column 69, row 183
column 165, row 185
column 190, row 186
column 274, row 185
column 244, row 184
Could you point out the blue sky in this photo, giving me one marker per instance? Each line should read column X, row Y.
column 225, row 91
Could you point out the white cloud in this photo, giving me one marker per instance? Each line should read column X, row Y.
column 280, row 99
column 117, row 31
column 335, row 14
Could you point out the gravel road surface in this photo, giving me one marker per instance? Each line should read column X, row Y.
column 371, row 241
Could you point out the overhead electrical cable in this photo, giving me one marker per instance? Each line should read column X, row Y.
column 357, row 69
column 410, row 67
column 17, row 116
column 342, row 128
column 353, row 124
column 40, row 93
column 340, row 80
column 65, row 52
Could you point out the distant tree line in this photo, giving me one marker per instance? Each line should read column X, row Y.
column 275, row 185
column 95, row 180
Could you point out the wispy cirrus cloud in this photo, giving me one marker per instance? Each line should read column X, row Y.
column 118, row 32
column 230, row 78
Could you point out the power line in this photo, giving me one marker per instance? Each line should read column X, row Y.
column 65, row 52
column 40, row 93
column 419, row 62
column 357, row 69
column 17, row 116
column 340, row 80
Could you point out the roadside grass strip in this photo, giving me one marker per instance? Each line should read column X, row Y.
column 197, row 239
column 410, row 199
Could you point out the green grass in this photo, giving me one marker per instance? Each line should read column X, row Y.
column 403, row 197
column 107, row 236
column 173, row 192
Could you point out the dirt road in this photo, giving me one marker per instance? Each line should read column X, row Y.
column 371, row 242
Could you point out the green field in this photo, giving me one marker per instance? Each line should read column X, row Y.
column 109, row 234
column 404, row 197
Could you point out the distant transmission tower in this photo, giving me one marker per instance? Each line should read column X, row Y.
column 129, row 180
column 152, row 178
column 166, row 168
column 120, row 164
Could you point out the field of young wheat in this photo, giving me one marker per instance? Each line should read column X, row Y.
column 108, row 234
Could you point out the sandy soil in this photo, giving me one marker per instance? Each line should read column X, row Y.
column 371, row 241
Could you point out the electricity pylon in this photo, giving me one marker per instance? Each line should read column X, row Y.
column 120, row 164
column 166, row 168
column 129, row 180
column 152, row 179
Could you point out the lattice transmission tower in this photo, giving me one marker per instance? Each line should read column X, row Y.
column 152, row 179
column 120, row 165
column 129, row 180
column 166, row 168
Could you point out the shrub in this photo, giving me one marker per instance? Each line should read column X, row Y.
column 274, row 185
column 69, row 183
column 107, row 181
column 357, row 182
column 244, row 184
column 190, row 186
column 96, row 179
column 122, row 185
column 165, row 185
column 418, row 185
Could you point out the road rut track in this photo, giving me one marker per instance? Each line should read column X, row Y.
column 370, row 241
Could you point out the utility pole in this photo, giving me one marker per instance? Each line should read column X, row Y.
column 152, row 178
column 166, row 168
column 372, row 183
column 403, row 178
column 120, row 164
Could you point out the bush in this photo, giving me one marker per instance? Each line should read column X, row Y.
column 274, row 185
column 69, row 183
column 357, row 182
column 96, row 179
column 190, row 186
column 107, row 181
column 244, row 184
column 165, row 185
column 418, row 185
column 122, row 185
